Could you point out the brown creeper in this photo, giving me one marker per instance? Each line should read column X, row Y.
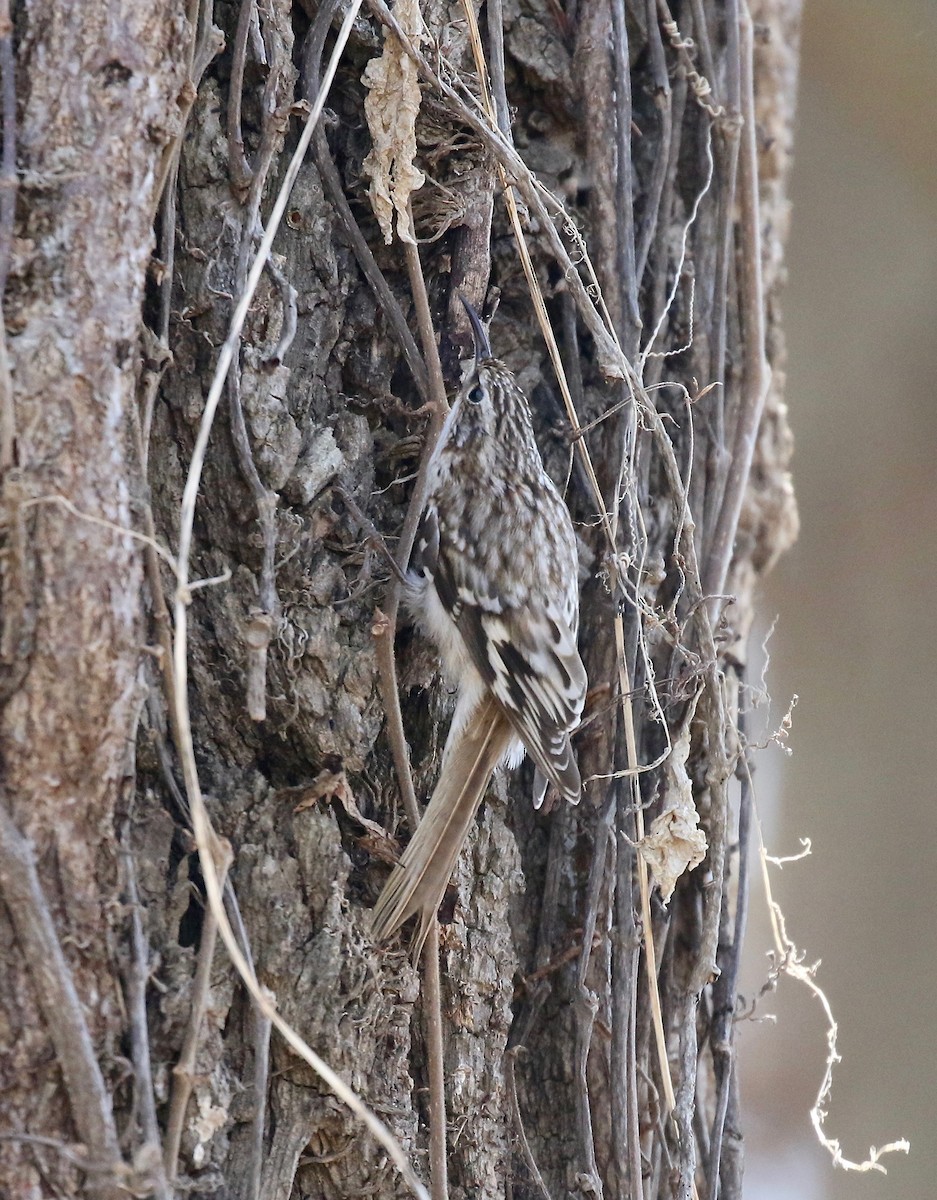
column 493, row 581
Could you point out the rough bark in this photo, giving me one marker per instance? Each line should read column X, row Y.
column 97, row 90
column 549, row 1047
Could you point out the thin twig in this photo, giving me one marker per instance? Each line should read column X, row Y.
column 206, row 42
column 432, row 988
column 275, row 106
column 154, row 580
column 290, row 321
column 121, row 1180
column 725, row 991
column 659, row 255
column 587, row 1004
column 720, row 764
column 88, row 1096
column 119, row 530
column 756, row 374
column 634, row 1120
column 684, row 1101
column 700, row 84
column 432, row 1010
column 184, row 1074
column 718, row 772
column 8, row 186
column 371, row 271
column 239, row 169
column 626, row 946
column 262, row 1026
column 731, row 1159
column 650, row 949
column 510, row 1083
column 261, row 1047
column 495, row 13
column 790, row 961
column 729, row 131
column 701, row 33
column 386, row 628
column 706, row 957
column 599, row 73
column 648, row 350
column 7, row 405
column 262, row 1032
column 260, row 628
column 312, row 56
column 609, row 353
column 663, row 103
column 205, row 837
column 629, row 277
column 533, row 284
column 8, row 181
column 137, row 975
column 262, row 623
column 371, row 531
column 424, row 321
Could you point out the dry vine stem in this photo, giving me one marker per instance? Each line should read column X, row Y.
column 432, row 980
column 61, row 1006
column 384, row 632
column 609, row 526
column 393, row 176
column 641, row 438
column 789, row 960
column 507, row 157
column 704, row 587
column 208, row 845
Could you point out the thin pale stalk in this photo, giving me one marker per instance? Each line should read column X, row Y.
column 206, row 839
column 183, row 1073
column 432, row 987
column 756, row 374
column 627, row 271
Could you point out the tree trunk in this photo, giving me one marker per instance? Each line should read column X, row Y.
column 152, row 142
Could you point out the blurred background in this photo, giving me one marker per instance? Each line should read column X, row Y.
column 856, row 637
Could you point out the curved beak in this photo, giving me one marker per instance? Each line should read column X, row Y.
column 482, row 348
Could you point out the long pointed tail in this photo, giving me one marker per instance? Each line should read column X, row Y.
column 419, row 880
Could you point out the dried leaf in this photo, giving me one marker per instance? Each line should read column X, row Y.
column 334, row 785
column 391, row 107
column 380, row 625
column 675, row 843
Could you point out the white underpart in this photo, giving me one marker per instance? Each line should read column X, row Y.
column 434, row 621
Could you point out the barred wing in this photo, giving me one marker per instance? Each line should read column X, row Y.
column 527, row 656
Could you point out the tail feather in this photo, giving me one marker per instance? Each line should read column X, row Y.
column 419, row 880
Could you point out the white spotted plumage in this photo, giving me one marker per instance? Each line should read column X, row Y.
column 493, row 581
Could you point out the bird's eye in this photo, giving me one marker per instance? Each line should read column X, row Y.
column 477, row 394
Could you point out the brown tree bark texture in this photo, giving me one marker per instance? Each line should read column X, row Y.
column 114, row 313
column 97, row 104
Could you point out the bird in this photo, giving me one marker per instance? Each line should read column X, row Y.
column 493, row 581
